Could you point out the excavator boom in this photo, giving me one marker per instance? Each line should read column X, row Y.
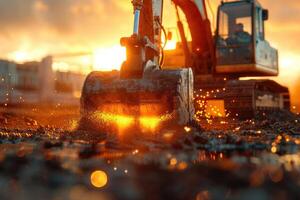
column 202, row 44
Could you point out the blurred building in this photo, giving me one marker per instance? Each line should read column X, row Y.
column 38, row 83
column 68, row 86
column 7, row 70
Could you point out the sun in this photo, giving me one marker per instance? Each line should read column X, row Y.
column 107, row 59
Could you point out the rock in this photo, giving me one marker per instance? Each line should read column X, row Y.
column 3, row 120
column 89, row 152
column 49, row 144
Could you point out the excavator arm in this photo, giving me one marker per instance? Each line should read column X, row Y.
column 199, row 24
column 143, row 45
column 148, row 23
column 202, row 57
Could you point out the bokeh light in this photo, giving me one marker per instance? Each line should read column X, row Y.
column 99, row 179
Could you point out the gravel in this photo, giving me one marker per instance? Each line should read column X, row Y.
column 227, row 159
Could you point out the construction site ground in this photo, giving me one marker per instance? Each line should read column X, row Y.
column 43, row 156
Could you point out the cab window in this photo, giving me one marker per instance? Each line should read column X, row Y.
column 259, row 26
column 234, row 40
column 235, row 24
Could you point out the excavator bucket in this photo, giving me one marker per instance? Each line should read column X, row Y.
column 141, row 99
column 159, row 102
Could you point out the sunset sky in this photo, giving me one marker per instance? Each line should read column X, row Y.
column 31, row 29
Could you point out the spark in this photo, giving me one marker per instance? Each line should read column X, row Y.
column 237, row 128
column 135, row 152
column 221, row 155
column 187, row 129
column 173, row 161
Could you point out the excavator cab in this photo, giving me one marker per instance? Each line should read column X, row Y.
column 241, row 47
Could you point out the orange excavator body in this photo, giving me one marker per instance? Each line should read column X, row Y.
column 146, row 98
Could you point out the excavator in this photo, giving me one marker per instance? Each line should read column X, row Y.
column 156, row 91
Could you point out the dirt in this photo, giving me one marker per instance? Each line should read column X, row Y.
column 43, row 156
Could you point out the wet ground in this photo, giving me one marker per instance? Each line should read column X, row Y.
column 42, row 156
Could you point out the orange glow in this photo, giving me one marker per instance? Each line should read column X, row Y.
column 121, row 121
column 99, row 179
column 209, row 108
column 125, row 121
column 24, row 55
column 148, row 109
column 215, row 108
column 150, row 123
column 20, row 56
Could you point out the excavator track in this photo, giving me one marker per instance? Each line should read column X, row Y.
column 244, row 98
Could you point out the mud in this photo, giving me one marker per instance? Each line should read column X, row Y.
column 42, row 156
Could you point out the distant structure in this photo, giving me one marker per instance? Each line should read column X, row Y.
column 38, row 83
